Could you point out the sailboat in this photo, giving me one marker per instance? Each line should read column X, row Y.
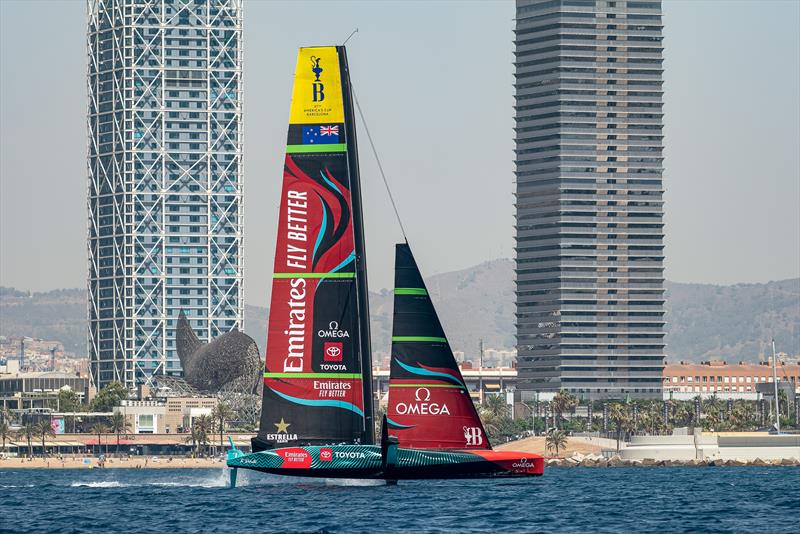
column 317, row 411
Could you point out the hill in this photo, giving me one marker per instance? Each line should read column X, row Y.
column 58, row 315
column 704, row 321
column 734, row 323
column 481, row 295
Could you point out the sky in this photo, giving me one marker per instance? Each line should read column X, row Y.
column 434, row 80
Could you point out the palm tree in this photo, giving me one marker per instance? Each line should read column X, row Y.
column 99, row 429
column 684, row 413
column 644, row 422
column 495, row 405
column 222, row 412
column 619, row 416
column 44, row 429
column 562, row 402
column 119, row 425
column 654, row 416
column 742, row 416
column 192, row 438
column 5, row 431
column 555, row 439
column 16, row 435
column 203, row 425
column 27, row 432
column 494, row 415
column 712, row 409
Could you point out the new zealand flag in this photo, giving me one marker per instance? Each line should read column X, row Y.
column 320, row 135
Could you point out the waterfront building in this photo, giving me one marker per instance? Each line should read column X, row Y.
column 479, row 382
column 165, row 180
column 20, row 391
column 589, row 208
column 167, row 415
column 716, row 377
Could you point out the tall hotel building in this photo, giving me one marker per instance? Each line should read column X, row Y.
column 590, row 233
column 165, row 180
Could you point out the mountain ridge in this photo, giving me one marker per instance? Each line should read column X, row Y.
column 704, row 321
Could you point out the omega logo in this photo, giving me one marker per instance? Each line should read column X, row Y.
column 333, row 331
column 422, row 392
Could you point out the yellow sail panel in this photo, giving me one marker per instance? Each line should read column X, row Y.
column 317, row 93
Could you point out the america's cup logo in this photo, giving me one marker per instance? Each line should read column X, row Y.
column 473, row 436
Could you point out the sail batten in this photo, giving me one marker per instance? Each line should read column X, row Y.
column 317, row 352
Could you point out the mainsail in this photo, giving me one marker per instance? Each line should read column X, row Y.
column 429, row 404
column 317, row 380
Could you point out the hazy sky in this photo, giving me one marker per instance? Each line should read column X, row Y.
column 435, row 82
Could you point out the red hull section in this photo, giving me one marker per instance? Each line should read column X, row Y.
column 516, row 462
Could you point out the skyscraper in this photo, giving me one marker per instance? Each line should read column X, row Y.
column 165, row 180
column 590, row 251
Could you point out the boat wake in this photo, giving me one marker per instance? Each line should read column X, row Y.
column 100, row 484
column 217, row 480
column 354, row 482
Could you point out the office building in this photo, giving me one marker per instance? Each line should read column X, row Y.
column 590, row 232
column 165, row 179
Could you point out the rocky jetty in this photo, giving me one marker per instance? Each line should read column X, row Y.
column 596, row 460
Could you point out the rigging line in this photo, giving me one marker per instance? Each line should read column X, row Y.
column 380, row 167
column 349, row 36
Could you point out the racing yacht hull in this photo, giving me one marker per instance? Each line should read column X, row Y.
column 368, row 462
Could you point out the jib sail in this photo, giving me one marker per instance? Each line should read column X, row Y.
column 317, row 380
column 429, row 404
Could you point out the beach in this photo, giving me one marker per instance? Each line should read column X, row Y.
column 536, row 445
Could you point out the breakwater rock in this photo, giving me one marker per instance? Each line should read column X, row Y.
column 596, row 460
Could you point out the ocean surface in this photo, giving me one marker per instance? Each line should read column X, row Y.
column 674, row 499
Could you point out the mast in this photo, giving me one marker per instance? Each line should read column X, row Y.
column 362, row 293
column 775, row 382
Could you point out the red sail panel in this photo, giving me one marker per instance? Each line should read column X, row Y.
column 313, row 390
column 429, row 404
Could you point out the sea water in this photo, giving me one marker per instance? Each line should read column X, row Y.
column 667, row 499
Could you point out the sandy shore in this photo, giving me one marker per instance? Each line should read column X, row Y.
column 536, row 445
column 138, row 462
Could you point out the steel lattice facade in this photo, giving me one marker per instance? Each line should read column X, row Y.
column 590, row 250
column 165, row 180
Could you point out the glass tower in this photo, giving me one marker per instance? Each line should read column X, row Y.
column 165, row 180
column 590, row 250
